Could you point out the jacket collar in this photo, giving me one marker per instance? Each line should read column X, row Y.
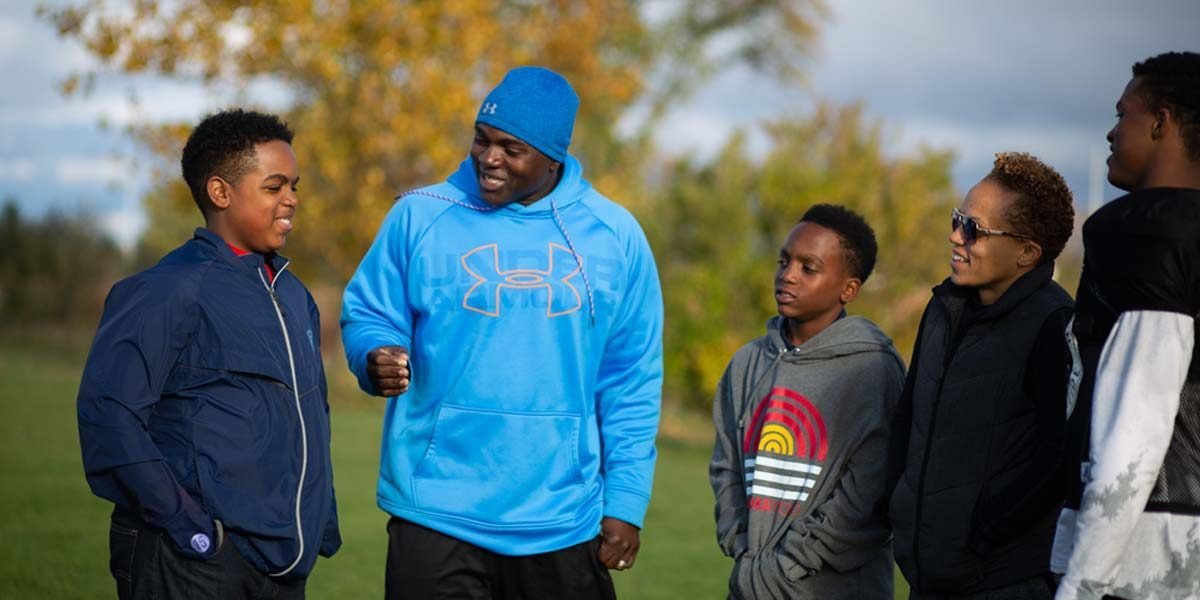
column 1160, row 194
column 250, row 262
column 1153, row 211
column 956, row 296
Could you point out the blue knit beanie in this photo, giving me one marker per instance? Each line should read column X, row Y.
column 535, row 105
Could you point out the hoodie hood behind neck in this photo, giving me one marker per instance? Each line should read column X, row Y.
column 570, row 189
column 845, row 336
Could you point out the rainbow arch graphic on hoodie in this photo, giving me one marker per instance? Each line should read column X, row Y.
column 787, row 423
column 783, row 444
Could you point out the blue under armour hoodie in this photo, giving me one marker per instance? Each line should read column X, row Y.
column 528, row 419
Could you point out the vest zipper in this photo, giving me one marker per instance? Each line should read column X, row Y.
column 287, row 341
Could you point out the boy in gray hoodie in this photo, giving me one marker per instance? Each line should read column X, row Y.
column 801, row 415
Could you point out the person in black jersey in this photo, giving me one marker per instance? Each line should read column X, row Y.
column 1131, row 528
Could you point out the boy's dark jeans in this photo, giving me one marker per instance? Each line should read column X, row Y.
column 146, row 566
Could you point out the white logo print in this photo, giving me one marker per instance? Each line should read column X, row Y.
column 489, row 108
column 483, row 264
column 200, row 543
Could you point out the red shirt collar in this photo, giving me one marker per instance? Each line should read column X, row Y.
column 266, row 263
column 236, row 250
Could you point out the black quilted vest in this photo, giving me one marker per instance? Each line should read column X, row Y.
column 971, row 420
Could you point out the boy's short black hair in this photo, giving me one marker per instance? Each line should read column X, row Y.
column 1172, row 80
column 858, row 239
column 223, row 145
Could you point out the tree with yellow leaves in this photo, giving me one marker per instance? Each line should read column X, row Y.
column 381, row 92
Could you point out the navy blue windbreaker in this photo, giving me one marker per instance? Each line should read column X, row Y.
column 204, row 398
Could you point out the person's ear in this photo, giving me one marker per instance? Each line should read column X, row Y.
column 1031, row 254
column 1162, row 120
column 218, row 192
column 850, row 290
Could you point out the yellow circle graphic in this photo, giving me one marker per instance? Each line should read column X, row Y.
column 777, row 439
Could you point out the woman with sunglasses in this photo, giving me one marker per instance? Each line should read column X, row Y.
column 979, row 431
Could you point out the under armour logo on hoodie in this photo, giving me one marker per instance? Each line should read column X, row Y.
column 483, row 265
column 489, row 108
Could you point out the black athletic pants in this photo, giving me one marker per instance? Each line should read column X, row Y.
column 423, row 564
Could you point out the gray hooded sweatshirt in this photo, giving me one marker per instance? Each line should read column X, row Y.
column 799, row 466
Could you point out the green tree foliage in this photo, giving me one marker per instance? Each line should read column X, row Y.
column 54, row 269
column 717, row 230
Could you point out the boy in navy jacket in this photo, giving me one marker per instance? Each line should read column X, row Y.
column 202, row 409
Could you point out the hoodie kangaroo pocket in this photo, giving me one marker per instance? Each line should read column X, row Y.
column 501, row 468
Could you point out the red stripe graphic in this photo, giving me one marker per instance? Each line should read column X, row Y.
column 809, row 432
column 822, row 437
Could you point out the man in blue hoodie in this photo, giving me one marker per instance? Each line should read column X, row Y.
column 513, row 317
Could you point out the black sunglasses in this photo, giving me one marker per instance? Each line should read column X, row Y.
column 971, row 228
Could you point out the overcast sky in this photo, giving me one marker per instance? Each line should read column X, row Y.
column 972, row 76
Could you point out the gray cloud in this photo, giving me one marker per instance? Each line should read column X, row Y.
column 976, row 77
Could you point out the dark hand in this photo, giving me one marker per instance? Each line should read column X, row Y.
column 618, row 544
column 387, row 368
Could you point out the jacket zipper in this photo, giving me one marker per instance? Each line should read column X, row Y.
column 287, row 341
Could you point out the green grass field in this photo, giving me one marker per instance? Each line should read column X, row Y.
column 54, row 532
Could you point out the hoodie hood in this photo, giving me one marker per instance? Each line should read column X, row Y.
column 845, row 336
column 571, row 188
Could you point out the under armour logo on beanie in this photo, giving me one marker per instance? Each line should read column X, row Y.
column 535, row 105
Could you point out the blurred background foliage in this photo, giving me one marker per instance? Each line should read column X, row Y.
column 717, row 229
column 55, row 269
column 382, row 94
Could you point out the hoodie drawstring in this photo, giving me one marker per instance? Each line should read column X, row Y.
column 578, row 260
column 557, row 221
